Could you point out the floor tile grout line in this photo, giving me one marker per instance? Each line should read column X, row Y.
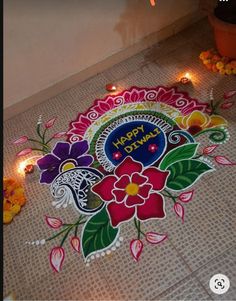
column 195, row 272
column 172, row 286
column 192, row 274
column 106, row 280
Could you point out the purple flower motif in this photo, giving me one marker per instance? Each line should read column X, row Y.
column 64, row 156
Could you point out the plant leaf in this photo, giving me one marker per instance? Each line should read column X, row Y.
column 185, row 173
column 182, row 152
column 98, row 233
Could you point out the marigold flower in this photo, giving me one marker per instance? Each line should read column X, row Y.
column 219, row 65
column 14, row 198
column 7, row 216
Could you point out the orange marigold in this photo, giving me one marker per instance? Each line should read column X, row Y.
column 14, row 198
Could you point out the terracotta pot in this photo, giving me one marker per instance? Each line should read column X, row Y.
column 225, row 36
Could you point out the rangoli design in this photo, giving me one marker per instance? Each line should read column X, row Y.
column 122, row 160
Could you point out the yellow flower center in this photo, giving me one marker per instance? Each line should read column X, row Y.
column 132, row 189
column 67, row 166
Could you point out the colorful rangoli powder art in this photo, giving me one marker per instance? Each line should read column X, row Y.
column 120, row 162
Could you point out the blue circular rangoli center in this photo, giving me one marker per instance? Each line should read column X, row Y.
column 142, row 140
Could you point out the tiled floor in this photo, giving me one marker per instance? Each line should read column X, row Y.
column 178, row 269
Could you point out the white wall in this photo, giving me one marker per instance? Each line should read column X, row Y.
column 50, row 40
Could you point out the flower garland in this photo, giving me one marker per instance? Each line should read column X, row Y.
column 217, row 63
column 13, row 199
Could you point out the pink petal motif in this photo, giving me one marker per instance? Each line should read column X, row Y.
column 119, row 195
column 80, row 126
column 53, row 222
column 156, row 177
column 50, row 123
column 59, row 135
column 127, row 167
column 179, row 210
column 24, row 152
column 209, row 149
column 104, row 188
column 155, row 238
column 138, row 179
column 229, row 94
column 152, row 208
column 133, row 200
column 186, row 197
column 75, row 243
column 167, row 96
column 119, row 213
column 122, row 182
column 144, row 190
column 57, row 256
column 227, row 105
column 134, row 96
column 136, row 247
column 21, row 140
column 223, row 160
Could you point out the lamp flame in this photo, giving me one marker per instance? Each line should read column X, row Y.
column 187, row 75
column 23, row 164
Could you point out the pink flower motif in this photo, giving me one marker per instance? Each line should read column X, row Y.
column 209, row 149
column 104, row 106
column 186, row 197
column 134, row 96
column 75, row 243
column 133, row 191
column 59, row 135
column 21, row 140
column 50, row 123
column 179, row 210
column 80, row 126
column 53, row 222
column 136, row 247
column 229, row 94
column 227, row 105
column 155, row 238
column 116, row 155
column 152, row 148
column 24, row 152
column 223, row 160
column 168, row 96
column 57, row 257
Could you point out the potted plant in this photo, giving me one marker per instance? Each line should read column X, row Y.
column 222, row 17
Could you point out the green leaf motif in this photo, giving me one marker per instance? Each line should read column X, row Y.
column 98, row 233
column 184, row 173
column 182, row 152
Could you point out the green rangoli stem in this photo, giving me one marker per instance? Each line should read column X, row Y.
column 76, row 231
column 38, row 131
column 169, row 195
column 68, row 228
column 65, row 236
column 37, row 141
column 138, row 227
